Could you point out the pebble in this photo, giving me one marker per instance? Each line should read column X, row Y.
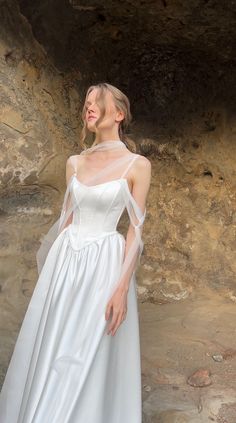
column 200, row 378
column 218, row 357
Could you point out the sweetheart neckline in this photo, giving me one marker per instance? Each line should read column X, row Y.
column 107, row 182
column 103, row 183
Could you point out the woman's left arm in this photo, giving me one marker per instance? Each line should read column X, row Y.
column 141, row 178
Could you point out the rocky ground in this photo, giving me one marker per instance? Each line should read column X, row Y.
column 176, row 341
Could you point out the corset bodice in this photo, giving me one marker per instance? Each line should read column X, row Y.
column 91, row 212
column 98, row 207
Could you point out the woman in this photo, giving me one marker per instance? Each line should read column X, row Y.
column 65, row 367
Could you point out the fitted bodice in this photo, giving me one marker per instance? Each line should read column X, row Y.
column 91, row 212
column 98, row 207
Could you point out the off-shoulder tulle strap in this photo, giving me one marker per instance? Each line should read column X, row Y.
column 134, row 252
column 67, row 210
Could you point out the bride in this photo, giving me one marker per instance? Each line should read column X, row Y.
column 65, row 368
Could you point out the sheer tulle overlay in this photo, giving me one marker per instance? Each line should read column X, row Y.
column 65, row 368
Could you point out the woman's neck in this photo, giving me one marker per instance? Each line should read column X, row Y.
column 104, row 140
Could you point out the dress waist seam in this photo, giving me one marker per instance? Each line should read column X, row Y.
column 90, row 239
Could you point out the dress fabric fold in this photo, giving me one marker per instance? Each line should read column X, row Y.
column 64, row 367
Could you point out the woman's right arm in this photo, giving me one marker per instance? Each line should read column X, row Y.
column 69, row 172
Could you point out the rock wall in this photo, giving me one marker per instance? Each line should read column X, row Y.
column 191, row 225
column 177, row 66
column 38, row 130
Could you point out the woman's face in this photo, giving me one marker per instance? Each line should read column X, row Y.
column 111, row 118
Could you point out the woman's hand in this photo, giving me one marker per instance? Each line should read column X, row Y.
column 118, row 306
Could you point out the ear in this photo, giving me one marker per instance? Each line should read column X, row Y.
column 119, row 116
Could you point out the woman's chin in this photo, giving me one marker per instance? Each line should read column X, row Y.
column 91, row 126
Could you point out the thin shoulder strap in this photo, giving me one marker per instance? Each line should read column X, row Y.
column 73, row 162
column 129, row 165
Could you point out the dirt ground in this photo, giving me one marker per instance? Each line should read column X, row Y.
column 178, row 339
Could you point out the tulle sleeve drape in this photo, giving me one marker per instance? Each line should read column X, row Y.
column 58, row 226
column 135, row 248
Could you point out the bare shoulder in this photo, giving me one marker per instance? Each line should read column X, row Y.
column 141, row 175
column 72, row 164
column 74, row 160
column 74, row 157
column 142, row 166
column 143, row 162
column 141, row 179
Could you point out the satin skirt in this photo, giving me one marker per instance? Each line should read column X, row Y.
column 64, row 367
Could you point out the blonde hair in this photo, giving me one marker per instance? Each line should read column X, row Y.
column 121, row 102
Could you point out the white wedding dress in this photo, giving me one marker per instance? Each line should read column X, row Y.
column 65, row 368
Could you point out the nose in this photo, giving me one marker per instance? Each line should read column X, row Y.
column 90, row 108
